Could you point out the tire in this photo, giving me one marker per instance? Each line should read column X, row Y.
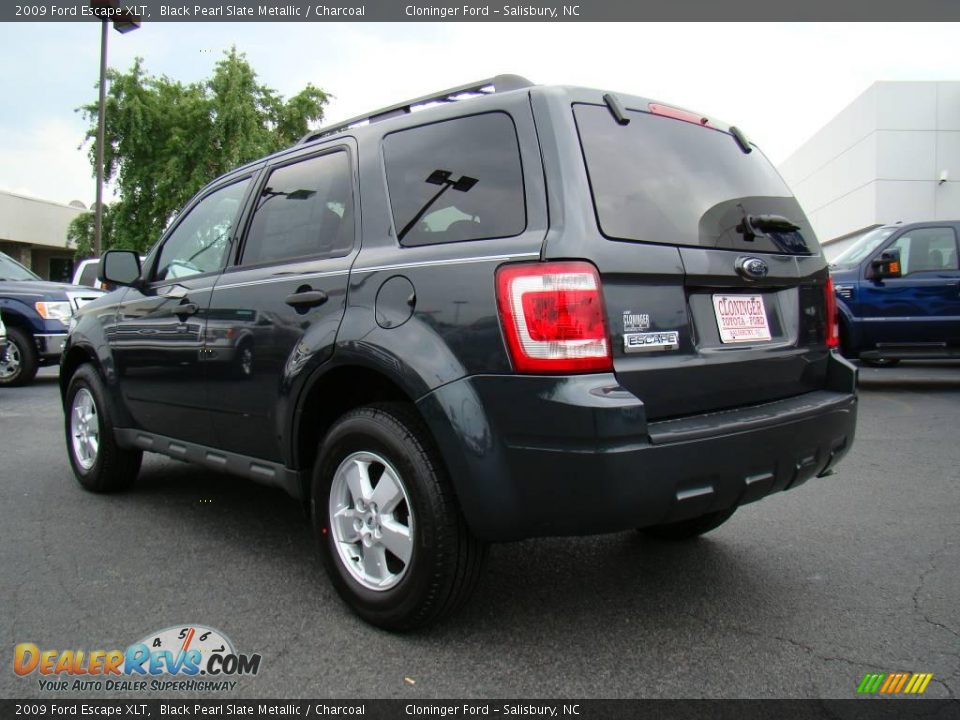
column 689, row 529
column 443, row 560
column 880, row 362
column 106, row 467
column 18, row 359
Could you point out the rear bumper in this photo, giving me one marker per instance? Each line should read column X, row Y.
column 533, row 456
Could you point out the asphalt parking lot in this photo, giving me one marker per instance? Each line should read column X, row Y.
column 797, row 596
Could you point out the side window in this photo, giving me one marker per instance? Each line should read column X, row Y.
column 305, row 209
column 927, row 250
column 200, row 241
column 88, row 276
column 456, row 180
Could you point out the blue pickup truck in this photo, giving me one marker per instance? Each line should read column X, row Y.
column 898, row 293
column 37, row 315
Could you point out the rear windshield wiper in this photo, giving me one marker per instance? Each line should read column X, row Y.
column 741, row 139
column 751, row 224
column 616, row 109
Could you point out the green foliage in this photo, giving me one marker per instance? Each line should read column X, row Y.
column 165, row 140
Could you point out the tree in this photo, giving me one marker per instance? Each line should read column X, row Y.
column 165, row 140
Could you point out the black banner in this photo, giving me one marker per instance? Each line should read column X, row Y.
column 481, row 11
column 862, row 709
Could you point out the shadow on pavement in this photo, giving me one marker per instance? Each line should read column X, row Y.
column 604, row 581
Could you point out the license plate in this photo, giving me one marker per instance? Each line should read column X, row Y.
column 741, row 318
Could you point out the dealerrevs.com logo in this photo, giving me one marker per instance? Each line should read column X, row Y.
column 183, row 657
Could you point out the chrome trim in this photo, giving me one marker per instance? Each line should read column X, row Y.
column 913, row 318
column 45, row 340
column 281, row 278
column 450, row 261
column 78, row 299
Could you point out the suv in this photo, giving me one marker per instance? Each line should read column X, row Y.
column 37, row 314
column 520, row 311
column 898, row 292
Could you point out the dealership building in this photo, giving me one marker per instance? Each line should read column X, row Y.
column 892, row 155
column 34, row 233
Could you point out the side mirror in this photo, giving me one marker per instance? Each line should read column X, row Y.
column 887, row 265
column 120, row 267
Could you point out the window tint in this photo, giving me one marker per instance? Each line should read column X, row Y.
column 200, row 241
column 863, row 246
column 456, row 180
column 305, row 209
column 927, row 250
column 662, row 180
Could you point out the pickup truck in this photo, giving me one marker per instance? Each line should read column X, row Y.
column 37, row 315
column 898, row 294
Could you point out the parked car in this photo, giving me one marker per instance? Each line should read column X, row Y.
column 37, row 314
column 87, row 273
column 521, row 311
column 898, row 293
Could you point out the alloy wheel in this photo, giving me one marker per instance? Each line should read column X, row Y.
column 84, row 429
column 371, row 520
column 10, row 361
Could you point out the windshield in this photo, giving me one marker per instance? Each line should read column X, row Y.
column 867, row 243
column 663, row 180
column 10, row 269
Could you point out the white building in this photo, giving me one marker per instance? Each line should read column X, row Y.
column 892, row 155
column 34, row 233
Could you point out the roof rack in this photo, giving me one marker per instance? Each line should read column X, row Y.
column 500, row 83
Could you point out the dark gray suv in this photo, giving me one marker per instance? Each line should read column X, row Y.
column 497, row 312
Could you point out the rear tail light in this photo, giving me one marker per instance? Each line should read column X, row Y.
column 552, row 316
column 833, row 327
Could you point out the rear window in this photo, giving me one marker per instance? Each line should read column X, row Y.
column 456, row 180
column 662, row 180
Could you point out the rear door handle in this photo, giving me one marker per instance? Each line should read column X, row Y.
column 304, row 299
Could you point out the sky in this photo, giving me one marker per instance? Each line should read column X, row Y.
column 778, row 82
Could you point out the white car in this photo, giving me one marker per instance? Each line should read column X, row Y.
column 87, row 272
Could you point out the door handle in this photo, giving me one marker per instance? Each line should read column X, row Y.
column 304, row 299
column 185, row 309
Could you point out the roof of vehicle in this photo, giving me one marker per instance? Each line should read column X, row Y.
column 436, row 106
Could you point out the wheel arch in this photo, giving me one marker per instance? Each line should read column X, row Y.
column 849, row 332
column 76, row 356
column 14, row 317
column 328, row 395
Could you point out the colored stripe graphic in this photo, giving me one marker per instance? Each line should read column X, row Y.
column 871, row 683
column 894, row 683
column 890, row 683
column 922, row 683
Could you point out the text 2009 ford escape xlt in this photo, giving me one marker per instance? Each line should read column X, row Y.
column 532, row 311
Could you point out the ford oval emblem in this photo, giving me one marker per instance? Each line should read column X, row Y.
column 752, row 268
